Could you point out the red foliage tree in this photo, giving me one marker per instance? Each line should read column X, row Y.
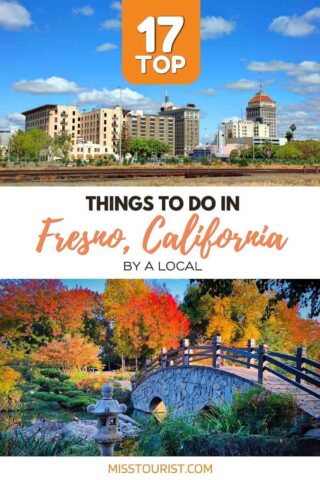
column 33, row 312
column 147, row 323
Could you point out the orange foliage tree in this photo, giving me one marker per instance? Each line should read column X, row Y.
column 69, row 354
column 237, row 318
column 284, row 330
column 34, row 312
column 148, row 322
column 117, row 296
column 9, row 378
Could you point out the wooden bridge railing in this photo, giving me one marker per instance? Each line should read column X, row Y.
column 298, row 369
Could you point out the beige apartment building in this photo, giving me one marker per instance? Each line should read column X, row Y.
column 159, row 127
column 99, row 126
column 103, row 127
column 54, row 119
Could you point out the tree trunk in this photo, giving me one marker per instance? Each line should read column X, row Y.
column 123, row 362
column 137, row 367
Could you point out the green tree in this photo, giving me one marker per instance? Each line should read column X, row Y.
column 29, row 145
column 199, row 308
column 62, row 146
column 2, row 153
column 125, row 142
column 139, row 148
column 157, row 148
column 289, row 152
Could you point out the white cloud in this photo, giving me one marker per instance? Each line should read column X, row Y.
column 130, row 99
column 306, row 66
column 306, row 115
column 209, row 92
column 116, row 6
column 106, row 47
column 48, row 85
column 311, row 79
column 12, row 122
column 213, row 27
column 112, row 24
column 16, row 117
column 296, row 25
column 14, row 16
column 242, row 85
column 87, row 11
column 306, row 74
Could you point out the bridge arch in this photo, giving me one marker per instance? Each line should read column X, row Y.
column 158, row 408
column 186, row 389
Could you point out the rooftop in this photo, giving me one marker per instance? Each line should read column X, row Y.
column 261, row 97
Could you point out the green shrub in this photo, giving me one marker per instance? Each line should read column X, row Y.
column 244, row 162
column 51, row 397
column 261, row 411
column 121, row 394
column 255, row 412
column 238, row 445
column 206, row 162
column 54, row 373
column 80, row 403
column 165, row 438
column 22, row 446
column 172, row 161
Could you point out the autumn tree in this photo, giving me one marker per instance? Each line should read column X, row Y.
column 34, row 312
column 68, row 354
column 237, row 317
column 147, row 323
column 9, row 377
column 305, row 293
column 115, row 297
column 284, row 330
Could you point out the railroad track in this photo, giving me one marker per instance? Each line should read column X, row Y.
column 20, row 174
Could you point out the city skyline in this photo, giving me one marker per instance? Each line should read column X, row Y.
column 79, row 48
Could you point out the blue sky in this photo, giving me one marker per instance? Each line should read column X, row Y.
column 70, row 52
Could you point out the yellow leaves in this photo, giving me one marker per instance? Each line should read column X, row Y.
column 7, row 356
column 237, row 317
column 118, row 293
column 8, row 380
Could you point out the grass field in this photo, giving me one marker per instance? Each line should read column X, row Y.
column 254, row 180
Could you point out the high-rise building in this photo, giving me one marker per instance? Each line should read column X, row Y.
column 187, row 126
column 54, row 119
column 261, row 108
column 102, row 126
column 234, row 130
column 159, row 127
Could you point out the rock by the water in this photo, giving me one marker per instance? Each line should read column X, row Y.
column 84, row 430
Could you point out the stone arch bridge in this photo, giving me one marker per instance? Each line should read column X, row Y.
column 189, row 379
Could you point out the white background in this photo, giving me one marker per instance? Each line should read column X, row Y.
column 97, row 468
column 294, row 212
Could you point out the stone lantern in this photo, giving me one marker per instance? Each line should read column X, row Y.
column 107, row 410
